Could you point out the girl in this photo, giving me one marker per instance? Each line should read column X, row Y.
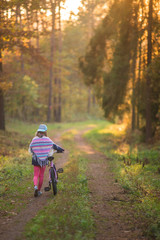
column 41, row 147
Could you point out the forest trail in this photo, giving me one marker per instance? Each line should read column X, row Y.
column 12, row 228
column 113, row 219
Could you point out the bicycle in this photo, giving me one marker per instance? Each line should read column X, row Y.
column 53, row 176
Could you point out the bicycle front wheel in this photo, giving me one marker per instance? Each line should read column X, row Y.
column 54, row 182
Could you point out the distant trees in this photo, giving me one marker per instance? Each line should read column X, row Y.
column 90, row 14
column 52, row 43
column 13, row 38
column 119, row 59
column 41, row 79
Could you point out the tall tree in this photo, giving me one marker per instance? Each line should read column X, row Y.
column 2, row 118
column 134, row 61
column 59, row 67
column 117, row 63
column 148, row 80
column 88, row 15
column 141, row 8
column 52, row 39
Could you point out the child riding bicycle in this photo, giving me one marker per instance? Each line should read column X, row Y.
column 41, row 147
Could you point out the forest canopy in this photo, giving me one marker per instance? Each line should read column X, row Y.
column 124, row 52
column 39, row 75
column 103, row 59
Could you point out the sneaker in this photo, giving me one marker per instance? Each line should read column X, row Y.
column 35, row 191
column 39, row 193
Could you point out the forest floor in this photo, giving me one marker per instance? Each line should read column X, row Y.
column 12, row 227
column 112, row 207
column 112, row 210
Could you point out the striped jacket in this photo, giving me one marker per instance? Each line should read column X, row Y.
column 40, row 149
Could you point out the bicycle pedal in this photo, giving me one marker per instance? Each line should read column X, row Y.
column 60, row 170
column 46, row 189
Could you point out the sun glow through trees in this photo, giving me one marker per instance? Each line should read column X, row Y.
column 70, row 6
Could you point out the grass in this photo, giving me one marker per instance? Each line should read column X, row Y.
column 16, row 171
column 15, row 166
column 137, row 169
column 68, row 215
column 30, row 128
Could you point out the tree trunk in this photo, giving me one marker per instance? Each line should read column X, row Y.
column 51, row 63
column 140, row 64
column 57, row 80
column 55, row 97
column 148, row 81
column 93, row 99
column 89, row 100
column 91, row 21
column 133, row 93
column 22, row 58
column 134, row 59
column 2, row 113
column 59, row 71
column 138, row 83
column 28, row 22
column 37, row 30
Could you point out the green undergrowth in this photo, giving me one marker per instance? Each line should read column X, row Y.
column 30, row 128
column 137, row 169
column 16, row 171
column 15, row 166
column 68, row 215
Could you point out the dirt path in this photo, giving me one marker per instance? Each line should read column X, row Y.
column 113, row 217
column 11, row 228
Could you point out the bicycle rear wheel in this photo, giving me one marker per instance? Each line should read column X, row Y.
column 54, row 182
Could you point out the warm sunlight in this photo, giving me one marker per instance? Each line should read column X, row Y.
column 70, row 6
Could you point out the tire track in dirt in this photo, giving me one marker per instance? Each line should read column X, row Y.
column 113, row 219
column 12, row 228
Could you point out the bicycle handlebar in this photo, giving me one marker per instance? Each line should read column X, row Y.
column 60, row 150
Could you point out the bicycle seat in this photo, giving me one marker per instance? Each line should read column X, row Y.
column 50, row 158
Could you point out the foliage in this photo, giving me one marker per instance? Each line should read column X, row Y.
column 153, row 74
column 115, row 62
column 22, row 97
column 95, row 64
column 73, row 46
column 15, row 169
column 26, row 54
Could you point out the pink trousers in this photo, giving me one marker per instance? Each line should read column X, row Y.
column 38, row 175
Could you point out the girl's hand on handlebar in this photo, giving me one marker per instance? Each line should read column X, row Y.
column 60, row 150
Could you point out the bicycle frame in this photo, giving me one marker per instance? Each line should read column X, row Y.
column 52, row 165
column 53, row 176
